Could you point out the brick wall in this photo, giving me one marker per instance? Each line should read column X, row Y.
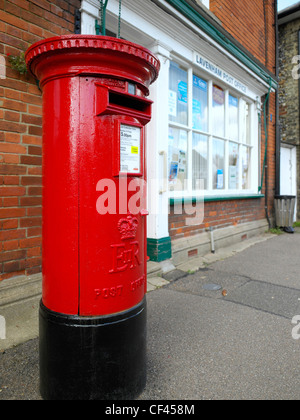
column 289, row 112
column 23, row 22
column 219, row 214
column 289, row 91
column 252, row 24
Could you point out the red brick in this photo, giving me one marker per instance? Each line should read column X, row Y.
column 35, row 131
column 9, row 213
column 11, row 180
column 36, row 140
column 12, row 255
column 10, row 245
column 31, row 119
column 35, row 231
column 31, row 180
column 12, row 138
column 11, row 267
column 10, row 202
column 33, row 262
column 35, row 110
column 34, row 191
column 33, row 150
column 30, row 243
column 35, row 170
column 31, row 160
column 12, row 170
column 10, row 158
column 24, row 4
column 10, row 224
column 15, row 127
column 30, row 222
column 12, row 148
column 30, row 201
column 34, row 252
column 34, row 211
column 12, row 191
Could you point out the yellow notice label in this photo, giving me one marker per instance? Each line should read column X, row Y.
column 134, row 150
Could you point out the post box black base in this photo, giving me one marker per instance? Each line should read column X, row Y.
column 97, row 358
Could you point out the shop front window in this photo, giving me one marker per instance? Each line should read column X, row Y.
column 246, row 167
column 200, row 104
column 178, row 159
column 233, row 107
column 218, row 111
column 218, row 164
column 233, row 173
column 210, row 141
column 200, row 161
column 178, row 95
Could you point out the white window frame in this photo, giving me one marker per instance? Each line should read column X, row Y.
column 253, row 137
column 205, row 3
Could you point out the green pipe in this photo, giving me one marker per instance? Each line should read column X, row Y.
column 266, row 136
column 101, row 29
column 104, row 18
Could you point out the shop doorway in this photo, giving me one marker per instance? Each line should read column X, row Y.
column 288, row 172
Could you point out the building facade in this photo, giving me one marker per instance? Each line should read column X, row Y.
column 211, row 147
column 289, row 100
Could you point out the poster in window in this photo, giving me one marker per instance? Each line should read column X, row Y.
column 172, row 103
column 196, row 114
column 232, row 177
column 182, row 92
column 173, row 173
column 199, row 104
column 218, row 96
column 220, row 179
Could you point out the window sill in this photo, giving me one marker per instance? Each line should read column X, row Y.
column 208, row 199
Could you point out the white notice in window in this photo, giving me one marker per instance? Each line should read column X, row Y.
column 130, row 149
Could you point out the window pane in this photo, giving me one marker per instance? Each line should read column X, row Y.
column 233, row 166
column 233, row 118
column 200, row 108
column 218, row 111
column 178, row 159
column 218, row 164
column 178, row 94
column 200, row 161
column 246, row 139
column 246, row 154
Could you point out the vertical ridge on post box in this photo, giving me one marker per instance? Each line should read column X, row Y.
column 60, row 196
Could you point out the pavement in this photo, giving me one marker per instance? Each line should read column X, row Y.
column 219, row 328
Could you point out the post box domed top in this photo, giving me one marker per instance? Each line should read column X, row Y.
column 76, row 55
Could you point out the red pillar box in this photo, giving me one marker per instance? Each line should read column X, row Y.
column 93, row 309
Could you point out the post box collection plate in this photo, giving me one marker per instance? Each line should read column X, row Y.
column 130, row 149
column 93, row 308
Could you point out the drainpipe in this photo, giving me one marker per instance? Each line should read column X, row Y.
column 277, row 128
column 266, row 125
column 265, row 164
